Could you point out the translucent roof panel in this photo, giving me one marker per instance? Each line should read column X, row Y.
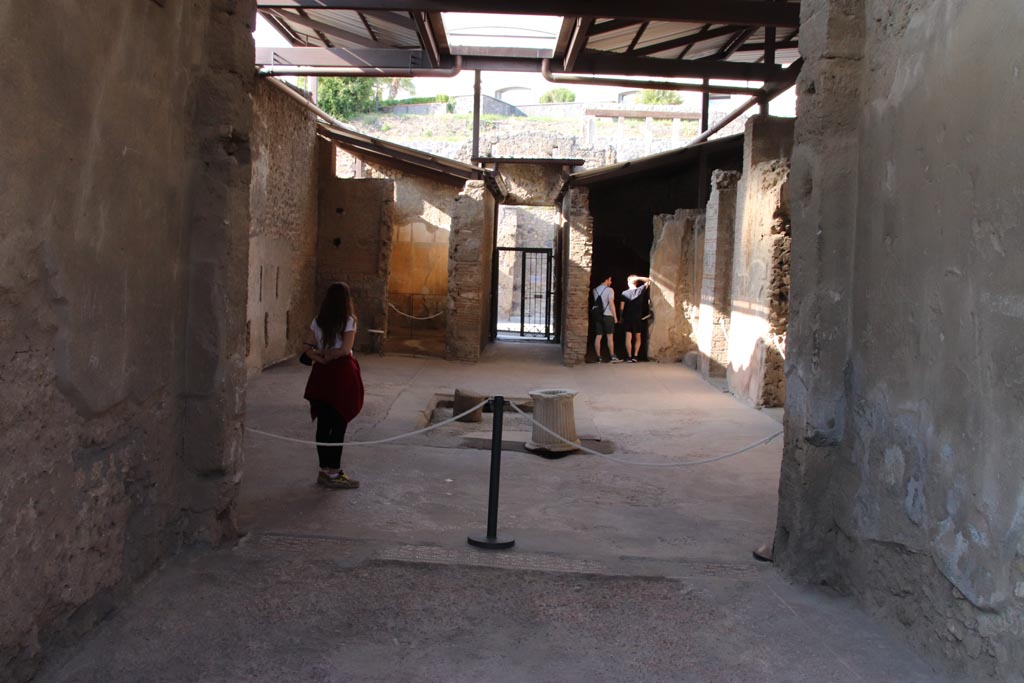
column 501, row 35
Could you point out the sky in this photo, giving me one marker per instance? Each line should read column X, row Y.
column 462, row 84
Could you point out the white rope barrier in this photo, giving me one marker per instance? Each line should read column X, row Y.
column 369, row 443
column 638, row 463
column 413, row 317
column 687, row 463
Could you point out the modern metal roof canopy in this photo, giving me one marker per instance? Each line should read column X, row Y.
column 738, row 40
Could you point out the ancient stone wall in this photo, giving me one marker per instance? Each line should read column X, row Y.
column 283, row 228
column 901, row 477
column 578, row 238
column 759, row 288
column 354, row 246
column 674, row 300
column 124, row 208
column 469, row 273
column 716, row 283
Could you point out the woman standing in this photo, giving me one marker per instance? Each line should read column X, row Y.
column 335, row 388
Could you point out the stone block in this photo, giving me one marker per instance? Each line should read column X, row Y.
column 466, row 399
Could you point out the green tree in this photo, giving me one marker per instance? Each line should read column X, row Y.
column 346, row 97
column 558, row 95
column 660, row 97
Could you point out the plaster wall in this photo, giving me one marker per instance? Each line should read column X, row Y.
column 902, row 476
column 760, row 266
column 354, row 245
column 283, row 228
column 124, row 206
column 420, row 243
column 674, row 299
column 577, row 257
column 716, row 281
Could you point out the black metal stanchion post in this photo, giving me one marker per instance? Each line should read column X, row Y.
column 492, row 541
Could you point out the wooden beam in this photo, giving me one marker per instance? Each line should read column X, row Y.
column 578, row 42
column 738, row 12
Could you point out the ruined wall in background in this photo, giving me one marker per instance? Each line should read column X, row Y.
column 578, row 241
column 283, row 228
column 469, row 274
column 759, row 289
column 901, row 477
column 124, row 208
column 716, row 283
column 674, row 300
column 354, row 245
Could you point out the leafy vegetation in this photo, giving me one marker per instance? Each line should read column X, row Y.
column 659, row 97
column 558, row 95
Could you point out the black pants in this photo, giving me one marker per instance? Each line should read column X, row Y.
column 330, row 428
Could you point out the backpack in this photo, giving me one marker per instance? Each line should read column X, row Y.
column 596, row 304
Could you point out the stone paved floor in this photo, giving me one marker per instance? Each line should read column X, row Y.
column 620, row 573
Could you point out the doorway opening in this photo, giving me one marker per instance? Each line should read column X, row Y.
column 525, row 305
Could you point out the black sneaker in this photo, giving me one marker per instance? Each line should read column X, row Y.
column 615, row 359
column 631, row 360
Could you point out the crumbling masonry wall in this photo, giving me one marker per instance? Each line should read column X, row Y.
column 673, row 288
column 901, row 476
column 469, row 273
column 124, row 207
column 716, row 282
column 759, row 289
column 283, row 228
column 354, row 244
column 577, row 255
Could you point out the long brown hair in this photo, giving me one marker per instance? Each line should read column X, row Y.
column 335, row 311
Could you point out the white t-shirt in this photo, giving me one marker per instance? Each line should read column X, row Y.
column 633, row 292
column 350, row 326
column 605, row 293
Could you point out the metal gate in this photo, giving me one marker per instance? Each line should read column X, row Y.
column 524, row 293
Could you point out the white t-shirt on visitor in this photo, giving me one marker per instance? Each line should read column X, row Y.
column 604, row 293
column 350, row 326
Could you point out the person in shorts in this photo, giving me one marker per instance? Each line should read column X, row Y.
column 631, row 307
column 605, row 318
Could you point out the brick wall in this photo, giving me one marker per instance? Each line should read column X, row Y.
column 576, row 266
column 468, row 274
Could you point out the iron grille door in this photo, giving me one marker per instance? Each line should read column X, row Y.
column 524, row 292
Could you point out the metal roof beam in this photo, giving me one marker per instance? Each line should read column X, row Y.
column 341, row 57
column 612, row 25
column 578, row 42
column 393, row 18
column 739, row 12
column 332, row 31
column 427, row 38
column 684, row 40
column 623, row 65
